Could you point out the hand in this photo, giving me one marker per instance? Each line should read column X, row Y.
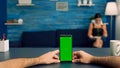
column 49, row 58
column 81, row 56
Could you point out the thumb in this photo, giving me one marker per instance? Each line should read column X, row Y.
column 76, row 60
column 56, row 61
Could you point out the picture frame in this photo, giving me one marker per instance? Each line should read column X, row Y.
column 62, row 6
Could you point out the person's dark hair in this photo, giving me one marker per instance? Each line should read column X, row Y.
column 98, row 15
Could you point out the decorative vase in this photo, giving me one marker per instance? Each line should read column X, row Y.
column 20, row 21
column 85, row 2
column 79, row 2
column 90, row 2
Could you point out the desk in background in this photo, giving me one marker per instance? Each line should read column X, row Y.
column 35, row 52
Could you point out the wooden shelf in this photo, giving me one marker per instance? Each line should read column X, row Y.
column 86, row 5
column 106, row 23
column 13, row 23
column 25, row 4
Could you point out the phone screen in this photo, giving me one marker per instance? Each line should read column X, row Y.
column 65, row 47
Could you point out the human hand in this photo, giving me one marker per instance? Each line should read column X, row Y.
column 49, row 58
column 81, row 56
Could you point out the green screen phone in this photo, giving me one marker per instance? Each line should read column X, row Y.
column 65, row 47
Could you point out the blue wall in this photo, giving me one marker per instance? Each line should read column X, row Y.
column 43, row 16
column 3, row 17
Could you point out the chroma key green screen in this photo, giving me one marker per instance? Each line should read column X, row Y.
column 65, row 47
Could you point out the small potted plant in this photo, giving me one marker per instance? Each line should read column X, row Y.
column 10, row 21
column 15, row 21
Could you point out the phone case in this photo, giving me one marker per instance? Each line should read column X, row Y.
column 65, row 48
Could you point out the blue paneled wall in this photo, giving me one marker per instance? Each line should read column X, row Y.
column 44, row 17
column 3, row 17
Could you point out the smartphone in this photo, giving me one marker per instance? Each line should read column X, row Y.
column 65, row 48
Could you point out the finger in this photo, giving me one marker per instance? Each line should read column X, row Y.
column 76, row 52
column 55, row 51
column 56, row 61
column 74, row 57
column 56, row 57
column 76, row 60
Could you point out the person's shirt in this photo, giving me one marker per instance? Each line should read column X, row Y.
column 97, row 31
